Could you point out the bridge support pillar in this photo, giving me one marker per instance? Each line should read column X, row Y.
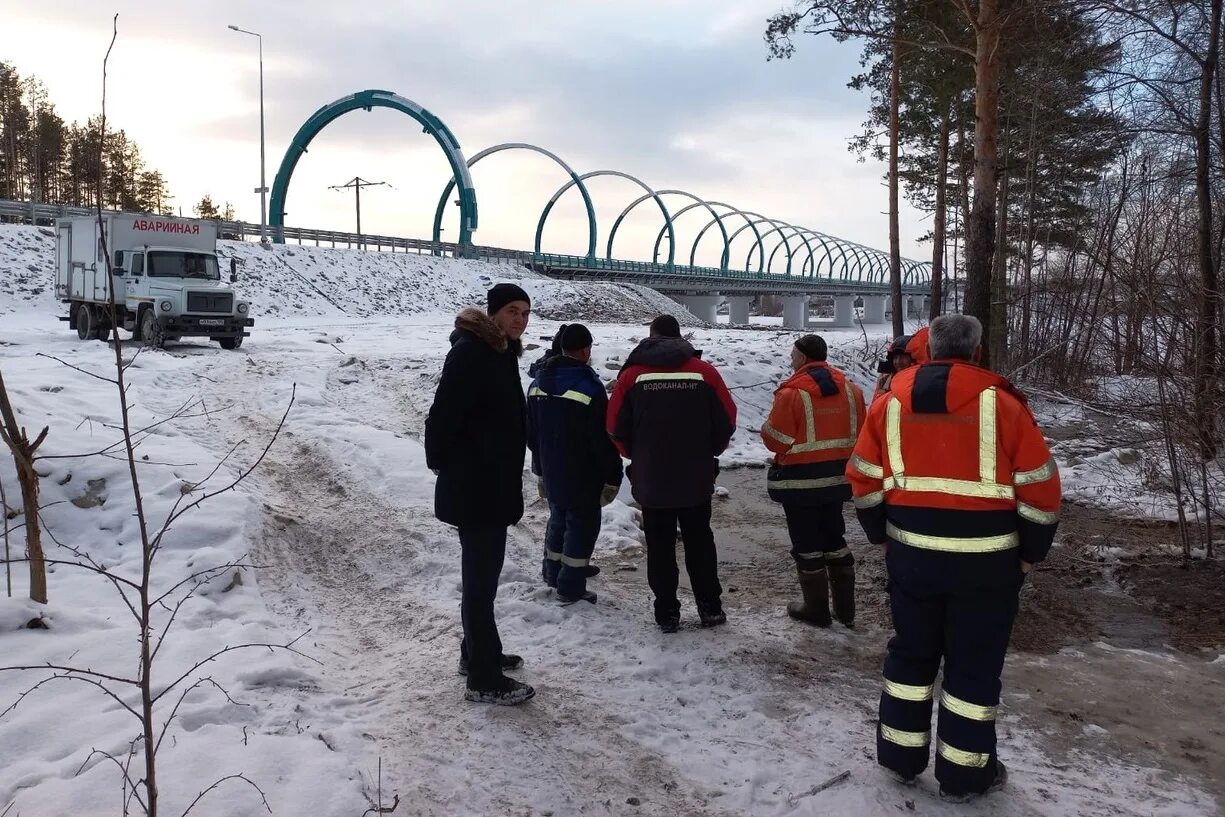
column 795, row 311
column 874, row 308
column 844, row 311
column 703, row 307
column 738, row 309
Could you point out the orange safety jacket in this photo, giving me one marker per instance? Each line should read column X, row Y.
column 952, row 460
column 812, row 427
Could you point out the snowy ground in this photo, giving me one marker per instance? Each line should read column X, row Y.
column 746, row 719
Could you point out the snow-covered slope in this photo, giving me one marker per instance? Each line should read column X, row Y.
column 305, row 281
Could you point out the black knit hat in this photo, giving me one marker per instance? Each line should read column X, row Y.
column 555, row 346
column 666, row 326
column 813, row 347
column 502, row 294
column 575, row 337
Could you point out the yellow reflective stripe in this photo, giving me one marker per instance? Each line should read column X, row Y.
column 1040, row 474
column 821, row 445
column 975, row 760
column 816, row 554
column 536, row 391
column 840, row 553
column 965, row 709
column 668, row 376
column 776, row 434
column 955, row 487
column 854, row 410
column 986, row 436
column 913, row 740
column 799, row 484
column 576, row 396
column 908, row 692
column 810, row 422
column 893, row 437
column 570, row 561
column 1037, row 515
column 868, row 469
column 957, row 544
column 870, row 500
column 552, row 555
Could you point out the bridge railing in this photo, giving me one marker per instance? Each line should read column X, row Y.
column 28, row 212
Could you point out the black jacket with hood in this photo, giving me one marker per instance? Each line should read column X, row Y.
column 476, row 431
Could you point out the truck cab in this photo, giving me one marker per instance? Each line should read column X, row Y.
column 171, row 292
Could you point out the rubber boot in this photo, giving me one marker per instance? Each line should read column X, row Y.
column 842, row 591
column 815, row 607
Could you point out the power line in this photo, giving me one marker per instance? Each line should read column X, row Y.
column 357, row 183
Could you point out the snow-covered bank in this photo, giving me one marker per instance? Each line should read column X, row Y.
column 303, row 281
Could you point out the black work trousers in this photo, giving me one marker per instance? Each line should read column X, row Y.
column 938, row 614
column 701, row 559
column 818, row 535
column 484, row 551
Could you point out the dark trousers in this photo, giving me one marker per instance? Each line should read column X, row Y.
column 968, row 627
column 484, row 550
column 818, row 535
column 569, row 541
column 701, row 559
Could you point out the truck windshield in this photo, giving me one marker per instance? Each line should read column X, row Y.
column 183, row 265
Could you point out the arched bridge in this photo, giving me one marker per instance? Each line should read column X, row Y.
column 756, row 253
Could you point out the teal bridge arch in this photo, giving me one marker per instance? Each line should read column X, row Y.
column 808, row 256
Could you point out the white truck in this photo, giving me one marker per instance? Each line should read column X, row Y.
column 164, row 277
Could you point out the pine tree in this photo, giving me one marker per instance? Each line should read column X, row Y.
column 205, row 208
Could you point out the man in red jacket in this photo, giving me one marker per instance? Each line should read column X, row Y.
column 951, row 473
column 672, row 416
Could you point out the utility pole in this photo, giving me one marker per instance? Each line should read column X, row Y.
column 357, row 183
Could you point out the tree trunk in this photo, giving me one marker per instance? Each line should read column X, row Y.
column 997, row 330
column 1206, row 364
column 23, row 457
column 980, row 231
column 938, row 219
column 895, row 249
column 964, row 183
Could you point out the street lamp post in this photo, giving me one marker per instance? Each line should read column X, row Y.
column 263, row 185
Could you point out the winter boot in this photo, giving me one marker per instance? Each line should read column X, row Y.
column 1001, row 780
column 842, row 590
column 509, row 662
column 815, row 607
column 585, row 595
column 508, row 693
column 711, row 616
column 669, row 623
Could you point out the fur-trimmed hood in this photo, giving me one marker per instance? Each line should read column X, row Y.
column 480, row 325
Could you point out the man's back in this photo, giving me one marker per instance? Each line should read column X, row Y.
column 672, row 415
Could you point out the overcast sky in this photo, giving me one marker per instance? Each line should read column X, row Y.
column 676, row 92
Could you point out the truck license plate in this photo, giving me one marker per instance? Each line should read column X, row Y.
column 211, row 322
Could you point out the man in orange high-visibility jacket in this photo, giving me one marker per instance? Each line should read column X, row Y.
column 952, row 473
column 811, row 429
column 904, row 352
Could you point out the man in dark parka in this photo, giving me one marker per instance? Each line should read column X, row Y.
column 475, row 441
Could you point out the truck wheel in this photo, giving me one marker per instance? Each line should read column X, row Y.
column 150, row 332
column 87, row 322
column 230, row 343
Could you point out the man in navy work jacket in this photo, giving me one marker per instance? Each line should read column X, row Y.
column 672, row 415
column 579, row 465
